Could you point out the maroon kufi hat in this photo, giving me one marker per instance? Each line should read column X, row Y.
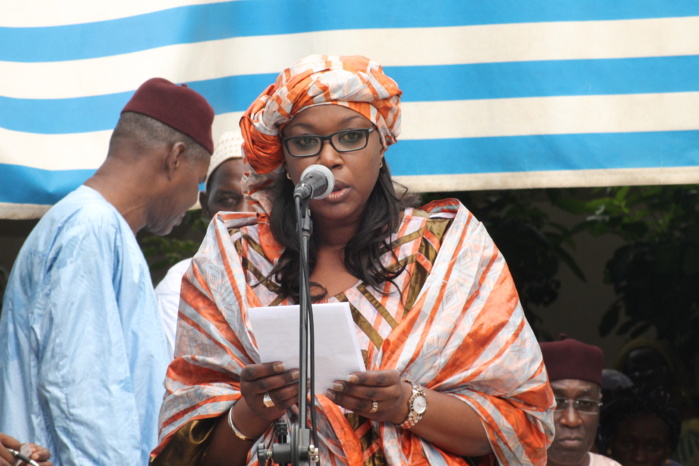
column 571, row 359
column 179, row 107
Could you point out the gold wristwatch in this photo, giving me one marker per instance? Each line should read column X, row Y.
column 417, row 405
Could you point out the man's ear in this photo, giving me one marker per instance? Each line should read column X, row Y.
column 175, row 158
column 203, row 202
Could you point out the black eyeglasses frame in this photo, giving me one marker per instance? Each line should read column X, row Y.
column 365, row 131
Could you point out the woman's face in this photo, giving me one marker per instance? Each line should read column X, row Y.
column 355, row 172
column 189, row 170
column 641, row 440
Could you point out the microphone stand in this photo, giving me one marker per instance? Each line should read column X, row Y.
column 299, row 451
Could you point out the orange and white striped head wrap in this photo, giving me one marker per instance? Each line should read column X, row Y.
column 355, row 82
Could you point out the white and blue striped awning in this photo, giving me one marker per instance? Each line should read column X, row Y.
column 497, row 94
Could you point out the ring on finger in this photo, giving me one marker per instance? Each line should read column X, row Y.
column 374, row 407
column 267, row 400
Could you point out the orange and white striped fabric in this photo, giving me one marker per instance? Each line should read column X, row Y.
column 463, row 332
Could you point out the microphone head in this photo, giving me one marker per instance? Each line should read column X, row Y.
column 313, row 175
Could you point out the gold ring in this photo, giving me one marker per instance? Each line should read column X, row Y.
column 374, row 407
column 267, row 400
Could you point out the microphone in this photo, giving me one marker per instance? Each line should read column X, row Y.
column 317, row 182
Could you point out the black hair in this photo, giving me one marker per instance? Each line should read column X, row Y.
column 634, row 401
column 363, row 252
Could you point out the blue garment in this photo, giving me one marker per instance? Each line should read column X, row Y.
column 83, row 353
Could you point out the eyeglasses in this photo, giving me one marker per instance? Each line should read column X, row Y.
column 580, row 405
column 309, row 145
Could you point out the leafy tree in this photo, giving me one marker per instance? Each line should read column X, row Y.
column 162, row 252
column 655, row 273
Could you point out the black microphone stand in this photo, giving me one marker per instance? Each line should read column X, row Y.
column 299, row 450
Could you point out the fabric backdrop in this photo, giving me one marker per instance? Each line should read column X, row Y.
column 497, row 94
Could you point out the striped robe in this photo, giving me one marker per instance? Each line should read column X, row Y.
column 458, row 328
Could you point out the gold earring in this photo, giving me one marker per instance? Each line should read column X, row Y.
column 380, row 166
column 288, row 177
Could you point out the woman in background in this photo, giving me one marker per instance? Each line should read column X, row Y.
column 640, row 426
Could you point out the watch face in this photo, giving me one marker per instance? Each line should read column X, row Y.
column 420, row 404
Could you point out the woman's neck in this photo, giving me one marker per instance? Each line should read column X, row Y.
column 332, row 236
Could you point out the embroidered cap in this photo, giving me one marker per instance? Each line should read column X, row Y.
column 179, row 107
column 572, row 359
column 227, row 147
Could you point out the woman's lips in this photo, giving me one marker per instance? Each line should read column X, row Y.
column 339, row 192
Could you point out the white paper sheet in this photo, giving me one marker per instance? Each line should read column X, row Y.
column 337, row 352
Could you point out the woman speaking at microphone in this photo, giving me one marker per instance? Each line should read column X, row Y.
column 454, row 374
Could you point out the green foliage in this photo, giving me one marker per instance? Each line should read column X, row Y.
column 655, row 273
column 162, row 252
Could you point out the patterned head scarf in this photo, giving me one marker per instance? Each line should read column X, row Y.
column 352, row 81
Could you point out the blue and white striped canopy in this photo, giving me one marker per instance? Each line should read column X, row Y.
column 497, row 93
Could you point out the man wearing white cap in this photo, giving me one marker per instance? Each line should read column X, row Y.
column 223, row 192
